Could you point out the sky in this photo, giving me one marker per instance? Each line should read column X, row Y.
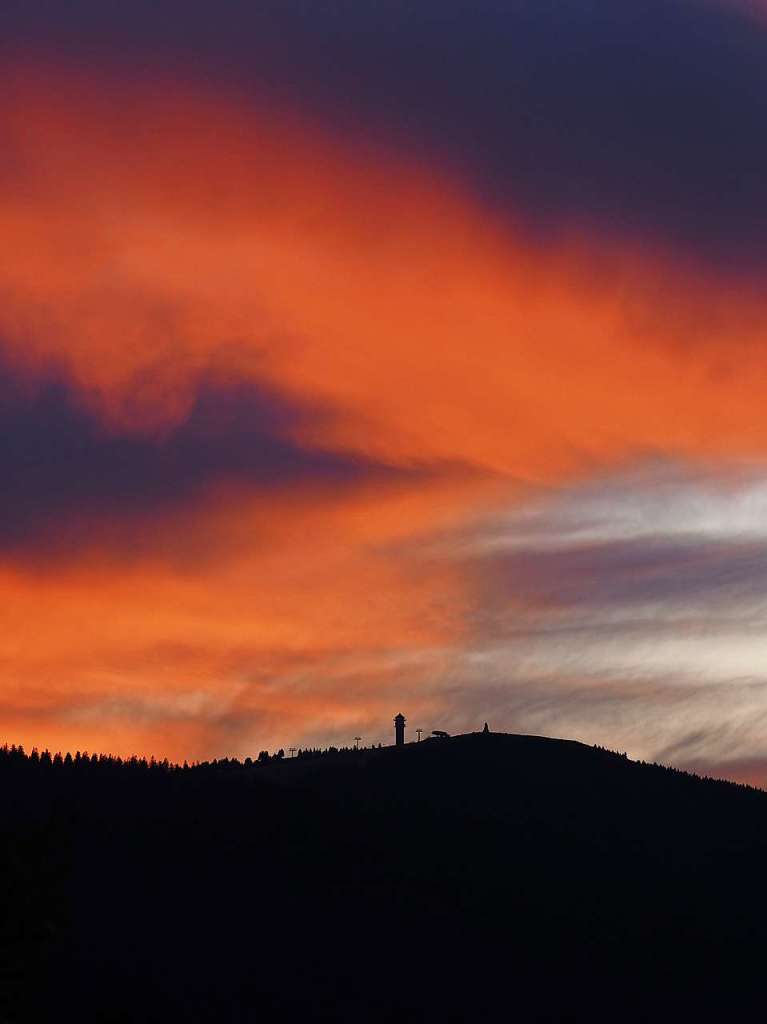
column 360, row 357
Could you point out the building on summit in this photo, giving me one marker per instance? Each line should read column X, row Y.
column 399, row 730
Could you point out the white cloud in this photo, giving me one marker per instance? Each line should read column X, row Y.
column 630, row 611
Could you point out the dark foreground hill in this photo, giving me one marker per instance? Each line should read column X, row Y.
column 485, row 877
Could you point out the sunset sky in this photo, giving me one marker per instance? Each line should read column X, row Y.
column 377, row 356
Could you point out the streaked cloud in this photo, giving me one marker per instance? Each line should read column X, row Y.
column 68, row 475
column 631, row 608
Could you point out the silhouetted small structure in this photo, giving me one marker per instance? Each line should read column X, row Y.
column 440, row 734
column 486, row 729
column 399, row 730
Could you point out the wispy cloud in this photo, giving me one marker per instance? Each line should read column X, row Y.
column 630, row 610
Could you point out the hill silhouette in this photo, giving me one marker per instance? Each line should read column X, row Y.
column 480, row 877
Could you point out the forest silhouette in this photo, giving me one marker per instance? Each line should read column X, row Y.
column 478, row 877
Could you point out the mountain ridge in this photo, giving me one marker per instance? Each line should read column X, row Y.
column 426, row 881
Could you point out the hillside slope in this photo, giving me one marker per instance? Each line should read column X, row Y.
column 461, row 879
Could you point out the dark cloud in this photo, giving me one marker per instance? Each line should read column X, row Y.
column 639, row 117
column 61, row 468
column 687, row 538
column 681, row 572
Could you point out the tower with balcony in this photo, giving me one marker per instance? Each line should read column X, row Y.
column 399, row 730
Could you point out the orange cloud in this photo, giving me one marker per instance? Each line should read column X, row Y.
column 152, row 234
column 249, row 620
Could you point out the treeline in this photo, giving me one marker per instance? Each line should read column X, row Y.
column 14, row 755
column 671, row 770
column 308, row 753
